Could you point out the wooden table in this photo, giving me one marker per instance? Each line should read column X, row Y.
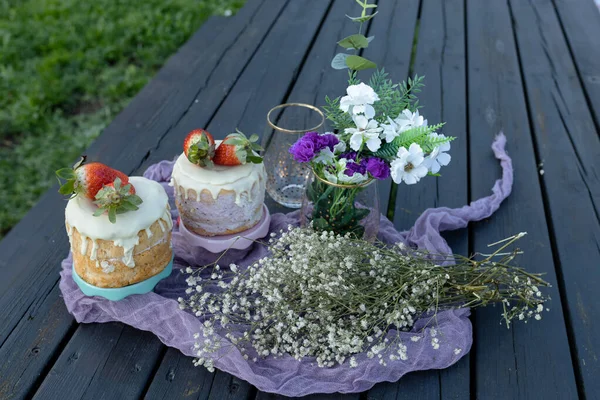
column 530, row 68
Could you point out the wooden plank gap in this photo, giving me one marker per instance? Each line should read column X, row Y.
column 391, row 206
column 223, row 54
column 567, row 314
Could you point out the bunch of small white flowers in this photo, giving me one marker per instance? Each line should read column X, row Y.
column 327, row 296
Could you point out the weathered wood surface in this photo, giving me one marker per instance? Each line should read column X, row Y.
column 526, row 67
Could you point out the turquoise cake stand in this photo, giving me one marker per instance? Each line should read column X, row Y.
column 116, row 294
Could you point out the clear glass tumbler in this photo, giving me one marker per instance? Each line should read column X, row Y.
column 286, row 123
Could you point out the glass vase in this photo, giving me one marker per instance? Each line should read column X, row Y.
column 286, row 123
column 341, row 208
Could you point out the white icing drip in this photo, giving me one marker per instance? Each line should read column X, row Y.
column 239, row 179
column 167, row 218
column 171, row 183
column 148, row 233
column 124, row 232
column 83, row 244
column 94, row 254
column 70, row 230
column 128, row 244
column 107, row 267
column 162, row 226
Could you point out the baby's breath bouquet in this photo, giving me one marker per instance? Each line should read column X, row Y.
column 327, row 296
column 378, row 133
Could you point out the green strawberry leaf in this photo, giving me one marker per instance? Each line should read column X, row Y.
column 99, row 212
column 65, row 173
column 253, row 138
column 67, row 188
column 112, row 215
column 254, row 159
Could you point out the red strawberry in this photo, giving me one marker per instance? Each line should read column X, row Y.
column 115, row 198
column 237, row 149
column 87, row 179
column 199, row 147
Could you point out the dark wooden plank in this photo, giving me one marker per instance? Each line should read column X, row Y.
column 394, row 29
column 569, row 148
column 175, row 379
column 334, row 396
column 580, row 21
column 40, row 240
column 529, row 360
column 440, row 57
column 228, row 387
column 80, row 373
column 32, row 345
column 31, row 252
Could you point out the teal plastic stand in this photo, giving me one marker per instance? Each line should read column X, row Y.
column 116, row 294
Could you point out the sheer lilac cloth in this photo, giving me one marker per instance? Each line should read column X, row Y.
column 158, row 312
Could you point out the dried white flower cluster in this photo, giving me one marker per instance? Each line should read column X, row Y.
column 330, row 297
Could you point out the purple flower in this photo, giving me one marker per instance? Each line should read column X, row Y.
column 353, row 168
column 351, row 155
column 327, row 140
column 378, row 168
column 303, row 150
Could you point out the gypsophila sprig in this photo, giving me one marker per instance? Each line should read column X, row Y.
column 327, row 296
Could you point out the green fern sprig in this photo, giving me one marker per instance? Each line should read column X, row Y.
column 419, row 135
column 339, row 119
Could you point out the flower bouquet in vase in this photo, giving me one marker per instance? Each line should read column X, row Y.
column 379, row 134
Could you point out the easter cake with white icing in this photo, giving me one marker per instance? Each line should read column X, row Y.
column 119, row 227
column 219, row 186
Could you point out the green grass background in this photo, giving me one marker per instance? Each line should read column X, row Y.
column 67, row 67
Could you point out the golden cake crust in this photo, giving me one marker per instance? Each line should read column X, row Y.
column 106, row 268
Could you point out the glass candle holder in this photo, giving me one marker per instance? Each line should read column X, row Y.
column 286, row 123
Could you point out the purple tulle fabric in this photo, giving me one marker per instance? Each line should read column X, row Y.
column 159, row 313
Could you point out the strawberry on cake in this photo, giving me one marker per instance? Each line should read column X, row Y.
column 219, row 186
column 119, row 227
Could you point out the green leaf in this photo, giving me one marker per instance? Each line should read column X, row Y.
column 99, row 212
column 361, row 18
column 370, row 39
column 356, row 41
column 65, row 173
column 127, row 206
column 112, row 215
column 236, row 141
column 358, row 63
column 117, row 184
column 67, row 188
column 339, row 61
column 253, row 137
column 254, row 159
column 135, row 199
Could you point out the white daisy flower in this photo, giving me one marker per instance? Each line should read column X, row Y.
column 366, row 131
column 408, row 167
column 438, row 157
column 408, row 120
column 359, row 100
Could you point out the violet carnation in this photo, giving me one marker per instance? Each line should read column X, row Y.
column 353, row 168
column 327, row 140
column 351, row 155
column 304, row 149
column 378, row 168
